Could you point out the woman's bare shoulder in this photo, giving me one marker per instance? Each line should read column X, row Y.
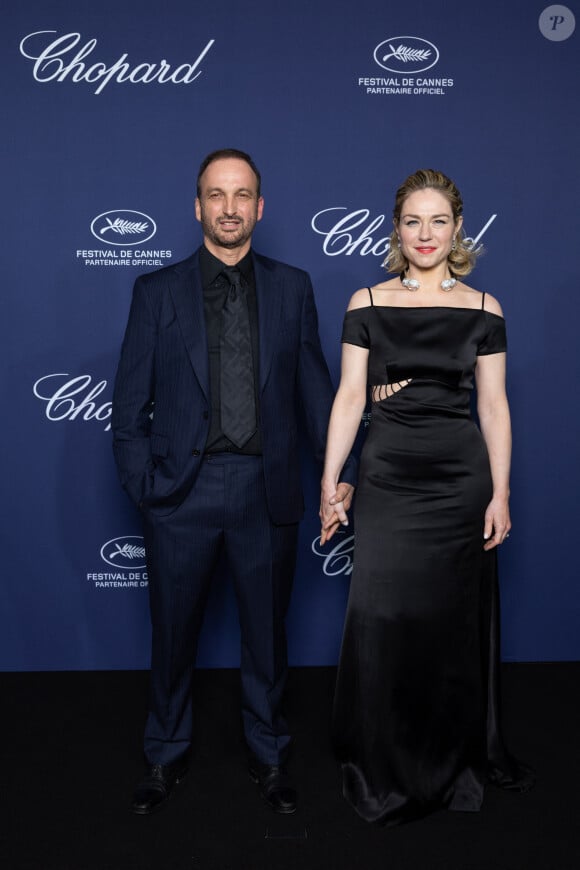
column 362, row 297
column 490, row 303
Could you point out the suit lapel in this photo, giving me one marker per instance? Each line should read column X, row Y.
column 269, row 296
column 187, row 294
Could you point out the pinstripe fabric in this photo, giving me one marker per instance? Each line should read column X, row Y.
column 194, row 508
column 226, row 511
column 164, row 369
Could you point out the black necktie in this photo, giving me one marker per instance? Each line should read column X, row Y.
column 237, row 398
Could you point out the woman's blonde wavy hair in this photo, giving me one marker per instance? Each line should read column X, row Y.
column 462, row 258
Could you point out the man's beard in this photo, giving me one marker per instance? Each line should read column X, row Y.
column 228, row 238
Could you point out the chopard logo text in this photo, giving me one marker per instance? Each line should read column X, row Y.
column 59, row 59
column 358, row 232
column 72, row 398
column 338, row 560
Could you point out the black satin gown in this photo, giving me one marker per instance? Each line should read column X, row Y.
column 416, row 721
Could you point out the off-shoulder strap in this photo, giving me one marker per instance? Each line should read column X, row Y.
column 482, row 301
column 371, row 295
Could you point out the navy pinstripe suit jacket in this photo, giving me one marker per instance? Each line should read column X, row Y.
column 161, row 401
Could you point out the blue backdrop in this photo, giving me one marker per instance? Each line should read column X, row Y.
column 108, row 110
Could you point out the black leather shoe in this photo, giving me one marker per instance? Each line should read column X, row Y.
column 275, row 786
column 156, row 786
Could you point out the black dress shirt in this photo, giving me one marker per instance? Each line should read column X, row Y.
column 215, row 290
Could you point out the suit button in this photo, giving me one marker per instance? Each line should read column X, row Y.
column 205, row 415
column 195, row 452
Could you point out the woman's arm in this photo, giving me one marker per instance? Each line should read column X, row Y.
column 345, row 418
column 494, row 419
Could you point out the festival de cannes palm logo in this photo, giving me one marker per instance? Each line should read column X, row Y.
column 406, row 54
column 123, row 227
column 126, row 552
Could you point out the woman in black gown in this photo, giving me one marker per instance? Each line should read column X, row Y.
column 415, row 720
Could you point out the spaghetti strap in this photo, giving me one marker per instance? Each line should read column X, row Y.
column 371, row 295
column 483, row 301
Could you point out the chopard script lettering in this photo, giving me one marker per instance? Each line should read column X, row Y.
column 56, row 62
column 72, row 398
column 355, row 231
column 339, row 559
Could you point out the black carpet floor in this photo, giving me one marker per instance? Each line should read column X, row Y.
column 71, row 757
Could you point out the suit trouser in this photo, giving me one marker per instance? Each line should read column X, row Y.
column 225, row 513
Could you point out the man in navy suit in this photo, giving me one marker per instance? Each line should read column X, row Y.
column 219, row 353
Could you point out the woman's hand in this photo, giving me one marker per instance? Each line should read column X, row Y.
column 334, row 504
column 497, row 523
